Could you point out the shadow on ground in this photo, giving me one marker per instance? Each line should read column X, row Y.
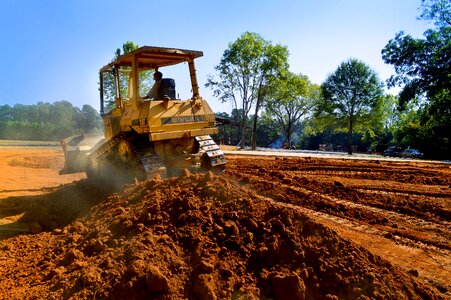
column 55, row 209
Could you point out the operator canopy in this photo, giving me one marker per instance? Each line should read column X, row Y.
column 148, row 57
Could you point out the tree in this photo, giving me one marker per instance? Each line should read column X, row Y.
column 438, row 11
column 292, row 98
column 423, row 68
column 126, row 48
column 6, row 112
column 352, row 98
column 268, row 132
column 88, row 119
column 45, row 121
column 244, row 70
column 274, row 65
column 109, row 87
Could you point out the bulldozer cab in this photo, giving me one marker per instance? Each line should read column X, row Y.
column 126, row 79
column 123, row 104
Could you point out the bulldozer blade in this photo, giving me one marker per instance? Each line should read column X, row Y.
column 76, row 148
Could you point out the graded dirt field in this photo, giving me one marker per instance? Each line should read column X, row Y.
column 268, row 228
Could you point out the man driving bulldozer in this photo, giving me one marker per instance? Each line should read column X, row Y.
column 153, row 92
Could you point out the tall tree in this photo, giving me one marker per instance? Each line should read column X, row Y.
column 127, row 47
column 423, row 68
column 352, row 97
column 274, row 66
column 88, row 119
column 292, row 98
column 245, row 68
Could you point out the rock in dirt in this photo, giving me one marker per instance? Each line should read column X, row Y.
column 288, row 287
column 156, row 281
column 203, row 287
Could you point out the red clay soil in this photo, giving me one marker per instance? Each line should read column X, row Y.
column 268, row 228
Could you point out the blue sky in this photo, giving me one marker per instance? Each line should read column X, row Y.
column 52, row 50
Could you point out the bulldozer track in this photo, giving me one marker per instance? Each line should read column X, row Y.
column 108, row 145
column 212, row 150
column 150, row 162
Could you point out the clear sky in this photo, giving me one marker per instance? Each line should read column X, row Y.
column 52, row 50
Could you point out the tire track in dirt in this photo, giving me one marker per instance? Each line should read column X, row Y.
column 360, row 226
column 399, row 211
column 391, row 222
column 403, row 245
column 417, row 199
column 415, row 224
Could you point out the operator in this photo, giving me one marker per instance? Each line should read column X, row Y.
column 153, row 92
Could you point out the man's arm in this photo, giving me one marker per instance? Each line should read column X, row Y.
column 153, row 92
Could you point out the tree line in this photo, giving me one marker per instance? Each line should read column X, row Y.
column 47, row 121
column 350, row 108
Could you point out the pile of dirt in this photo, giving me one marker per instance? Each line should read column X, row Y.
column 199, row 236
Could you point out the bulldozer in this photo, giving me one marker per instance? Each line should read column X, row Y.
column 143, row 137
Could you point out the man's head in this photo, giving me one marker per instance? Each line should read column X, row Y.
column 157, row 76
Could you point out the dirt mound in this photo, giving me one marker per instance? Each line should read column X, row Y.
column 200, row 237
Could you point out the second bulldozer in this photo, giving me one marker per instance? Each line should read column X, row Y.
column 143, row 137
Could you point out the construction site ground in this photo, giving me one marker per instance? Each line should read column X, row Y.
column 274, row 225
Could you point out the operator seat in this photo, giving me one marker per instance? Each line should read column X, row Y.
column 167, row 89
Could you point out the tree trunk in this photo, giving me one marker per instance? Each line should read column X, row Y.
column 257, row 109
column 289, row 135
column 243, row 133
column 254, row 129
column 351, row 128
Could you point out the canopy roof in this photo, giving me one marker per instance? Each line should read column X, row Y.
column 149, row 57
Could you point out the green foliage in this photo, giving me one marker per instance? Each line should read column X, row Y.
column 426, row 127
column 438, row 11
column 274, row 67
column 352, row 100
column 45, row 121
column 127, row 47
column 109, row 92
column 423, row 68
column 244, row 70
column 109, row 85
column 268, row 132
column 292, row 98
column 337, row 139
column 436, row 126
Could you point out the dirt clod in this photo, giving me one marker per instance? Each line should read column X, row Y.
column 288, row 287
column 156, row 282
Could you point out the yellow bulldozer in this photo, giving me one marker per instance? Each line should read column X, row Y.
column 143, row 137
